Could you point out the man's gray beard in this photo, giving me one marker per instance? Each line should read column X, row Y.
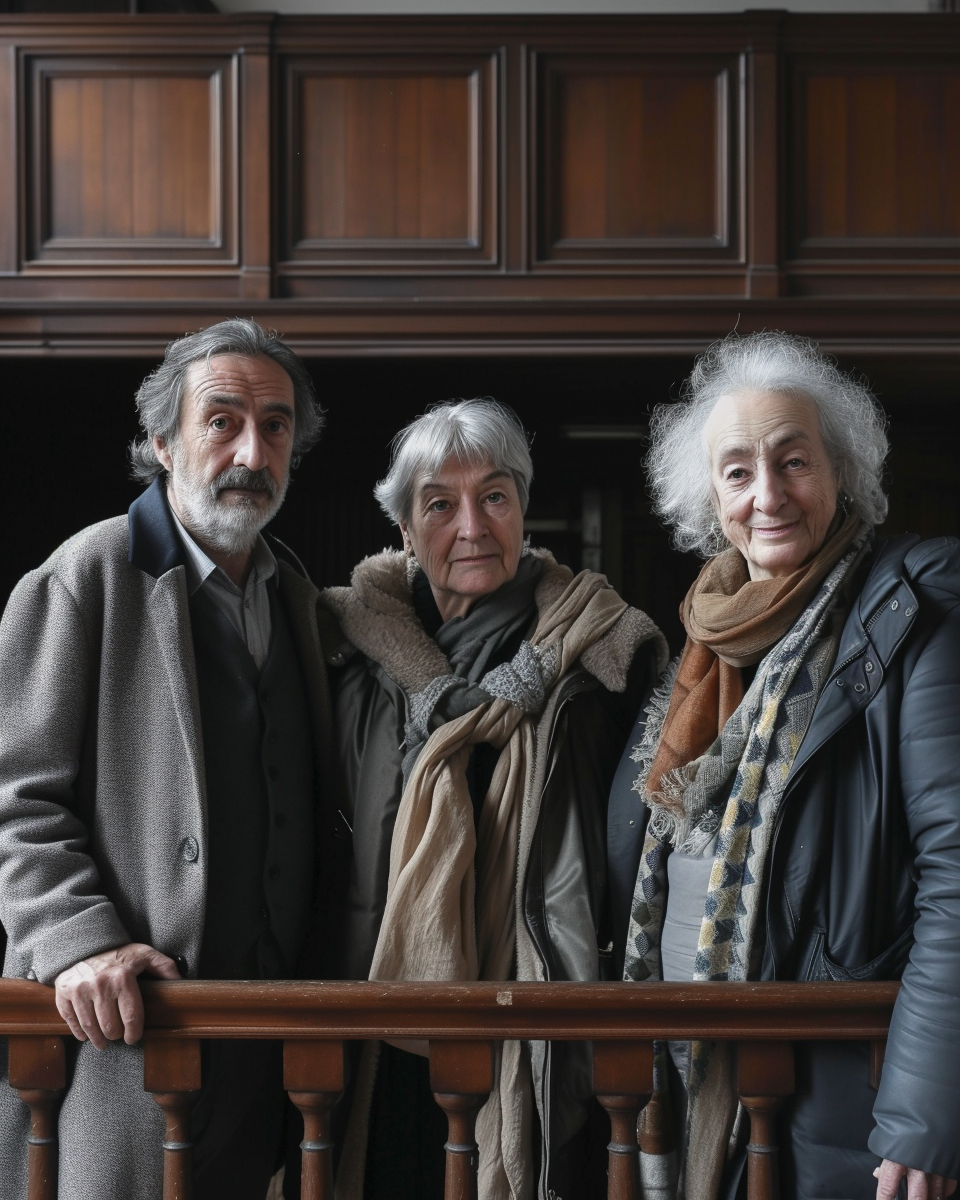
column 231, row 528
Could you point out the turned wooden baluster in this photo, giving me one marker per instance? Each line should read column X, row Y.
column 765, row 1078
column 461, row 1076
column 878, row 1052
column 313, row 1074
column 37, row 1069
column 171, row 1073
column 623, row 1083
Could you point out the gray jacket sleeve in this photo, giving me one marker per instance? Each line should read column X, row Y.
column 51, row 899
column 918, row 1106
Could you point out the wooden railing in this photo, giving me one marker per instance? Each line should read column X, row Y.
column 461, row 1022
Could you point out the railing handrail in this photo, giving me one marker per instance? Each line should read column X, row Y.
column 494, row 1011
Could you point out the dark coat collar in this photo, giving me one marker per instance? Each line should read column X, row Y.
column 155, row 546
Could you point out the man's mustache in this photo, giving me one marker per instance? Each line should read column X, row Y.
column 243, row 477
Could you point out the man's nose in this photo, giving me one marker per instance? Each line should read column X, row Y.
column 250, row 451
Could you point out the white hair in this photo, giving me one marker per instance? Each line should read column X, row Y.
column 475, row 431
column 852, row 425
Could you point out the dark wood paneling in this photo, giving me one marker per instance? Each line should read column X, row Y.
column 129, row 160
column 390, row 160
column 638, row 158
column 876, row 160
column 516, row 184
column 256, row 177
column 9, row 206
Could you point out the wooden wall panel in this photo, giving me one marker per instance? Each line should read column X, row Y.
column 130, row 161
column 876, row 161
column 390, row 160
column 638, row 159
column 541, row 184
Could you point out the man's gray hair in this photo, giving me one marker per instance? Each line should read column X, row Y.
column 852, row 425
column 475, row 431
column 161, row 393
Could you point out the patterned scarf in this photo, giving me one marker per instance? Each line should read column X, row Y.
column 732, row 790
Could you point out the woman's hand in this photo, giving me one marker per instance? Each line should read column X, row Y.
column 920, row 1185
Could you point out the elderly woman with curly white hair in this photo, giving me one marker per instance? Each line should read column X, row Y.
column 482, row 697
column 799, row 773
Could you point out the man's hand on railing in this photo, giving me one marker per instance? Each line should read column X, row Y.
column 920, row 1186
column 99, row 997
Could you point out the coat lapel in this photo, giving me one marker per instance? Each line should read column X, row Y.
column 157, row 551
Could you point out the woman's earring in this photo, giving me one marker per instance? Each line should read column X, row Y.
column 844, row 502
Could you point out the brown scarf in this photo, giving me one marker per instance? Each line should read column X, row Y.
column 731, row 622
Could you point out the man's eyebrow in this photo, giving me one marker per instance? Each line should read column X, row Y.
column 227, row 400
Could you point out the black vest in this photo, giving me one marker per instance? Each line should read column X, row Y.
column 259, row 769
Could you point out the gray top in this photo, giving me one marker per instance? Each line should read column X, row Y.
column 688, row 878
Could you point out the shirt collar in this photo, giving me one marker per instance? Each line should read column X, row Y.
column 200, row 566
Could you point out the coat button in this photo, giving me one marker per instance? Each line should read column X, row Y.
column 868, row 666
column 895, row 605
column 190, row 849
column 859, row 687
column 840, row 682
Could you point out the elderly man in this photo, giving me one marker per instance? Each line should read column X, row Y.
column 163, row 733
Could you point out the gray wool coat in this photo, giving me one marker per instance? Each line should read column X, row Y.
column 102, row 808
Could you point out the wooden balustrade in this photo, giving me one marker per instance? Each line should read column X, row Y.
column 462, row 1023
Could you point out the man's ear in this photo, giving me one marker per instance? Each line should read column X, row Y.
column 162, row 452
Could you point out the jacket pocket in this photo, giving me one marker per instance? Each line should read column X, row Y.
column 888, row 965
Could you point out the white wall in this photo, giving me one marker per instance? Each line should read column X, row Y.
column 398, row 7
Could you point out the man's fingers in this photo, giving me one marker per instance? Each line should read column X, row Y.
column 86, row 1014
column 107, row 1015
column 130, row 1011
column 65, row 1009
column 161, row 967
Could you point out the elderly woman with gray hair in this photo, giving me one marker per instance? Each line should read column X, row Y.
column 482, row 698
column 799, row 773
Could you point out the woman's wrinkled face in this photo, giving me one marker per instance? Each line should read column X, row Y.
column 774, row 486
column 466, row 529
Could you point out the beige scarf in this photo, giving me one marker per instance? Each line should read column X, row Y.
column 441, row 859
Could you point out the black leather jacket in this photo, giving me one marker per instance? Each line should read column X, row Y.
column 865, row 867
column 864, row 877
